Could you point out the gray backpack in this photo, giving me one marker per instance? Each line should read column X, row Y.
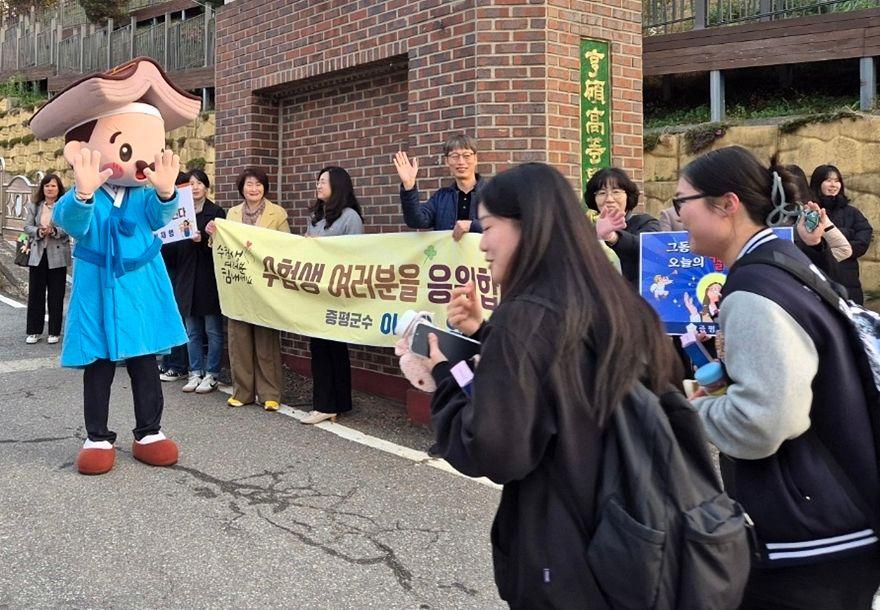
column 667, row 536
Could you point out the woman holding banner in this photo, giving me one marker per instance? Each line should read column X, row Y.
column 255, row 351
column 335, row 212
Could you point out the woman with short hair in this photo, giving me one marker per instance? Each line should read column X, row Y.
column 830, row 192
column 255, row 351
column 614, row 195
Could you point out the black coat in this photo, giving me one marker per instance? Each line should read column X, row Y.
column 856, row 228
column 627, row 245
column 821, row 256
column 513, row 431
column 191, row 267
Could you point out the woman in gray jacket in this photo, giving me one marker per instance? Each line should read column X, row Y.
column 50, row 257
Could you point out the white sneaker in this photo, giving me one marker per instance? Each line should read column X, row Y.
column 208, row 384
column 31, row 339
column 53, row 339
column 192, row 383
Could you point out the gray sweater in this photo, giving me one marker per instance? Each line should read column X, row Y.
column 349, row 223
column 772, row 362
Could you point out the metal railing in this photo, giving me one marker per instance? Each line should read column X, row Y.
column 68, row 55
column 669, row 16
column 71, row 13
column 177, row 45
column 150, row 42
column 120, row 45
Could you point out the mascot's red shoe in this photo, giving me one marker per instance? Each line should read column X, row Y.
column 160, row 453
column 95, row 461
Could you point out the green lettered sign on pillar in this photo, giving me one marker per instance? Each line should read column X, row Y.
column 595, row 107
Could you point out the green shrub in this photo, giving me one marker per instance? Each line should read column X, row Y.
column 820, row 118
column 196, row 163
column 701, row 137
column 650, row 141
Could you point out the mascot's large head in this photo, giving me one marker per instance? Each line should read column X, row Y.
column 123, row 113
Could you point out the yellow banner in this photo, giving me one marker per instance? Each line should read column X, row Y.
column 352, row 288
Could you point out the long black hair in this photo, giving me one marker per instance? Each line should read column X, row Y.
column 820, row 174
column 559, row 258
column 734, row 169
column 341, row 197
column 41, row 196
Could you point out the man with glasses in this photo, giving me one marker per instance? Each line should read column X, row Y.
column 452, row 207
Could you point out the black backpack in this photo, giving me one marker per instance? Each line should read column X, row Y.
column 667, row 535
column 863, row 324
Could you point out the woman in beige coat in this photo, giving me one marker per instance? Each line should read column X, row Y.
column 255, row 351
column 48, row 263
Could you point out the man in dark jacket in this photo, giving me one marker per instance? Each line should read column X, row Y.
column 452, row 207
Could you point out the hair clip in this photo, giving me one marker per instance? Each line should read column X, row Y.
column 787, row 214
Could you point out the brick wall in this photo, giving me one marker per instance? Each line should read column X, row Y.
column 619, row 21
column 358, row 125
column 353, row 81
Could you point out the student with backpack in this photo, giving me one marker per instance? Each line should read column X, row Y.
column 798, row 442
column 556, row 389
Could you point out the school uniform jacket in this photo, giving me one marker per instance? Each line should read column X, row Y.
column 794, row 428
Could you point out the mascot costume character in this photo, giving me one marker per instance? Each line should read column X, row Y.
column 122, row 307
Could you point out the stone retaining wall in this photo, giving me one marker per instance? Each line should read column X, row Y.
column 25, row 156
column 851, row 145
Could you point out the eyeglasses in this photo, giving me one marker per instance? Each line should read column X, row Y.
column 460, row 156
column 677, row 201
column 614, row 193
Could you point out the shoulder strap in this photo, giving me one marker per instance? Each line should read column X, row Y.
column 810, row 278
column 827, row 292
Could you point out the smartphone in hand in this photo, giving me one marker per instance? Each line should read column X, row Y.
column 454, row 346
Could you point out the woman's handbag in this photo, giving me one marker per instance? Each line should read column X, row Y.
column 23, row 251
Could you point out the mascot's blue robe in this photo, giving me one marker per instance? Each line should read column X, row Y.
column 122, row 304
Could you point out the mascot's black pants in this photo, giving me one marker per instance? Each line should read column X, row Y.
column 146, row 388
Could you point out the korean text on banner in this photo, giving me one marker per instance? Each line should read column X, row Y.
column 352, row 288
column 183, row 225
column 683, row 287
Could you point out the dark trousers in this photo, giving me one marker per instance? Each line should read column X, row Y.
column 146, row 389
column 176, row 360
column 848, row 584
column 41, row 279
column 331, row 376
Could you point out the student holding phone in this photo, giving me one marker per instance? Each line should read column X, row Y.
column 556, row 357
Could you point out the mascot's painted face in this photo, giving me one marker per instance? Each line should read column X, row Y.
column 128, row 144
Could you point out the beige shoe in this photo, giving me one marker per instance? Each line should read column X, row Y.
column 316, row 417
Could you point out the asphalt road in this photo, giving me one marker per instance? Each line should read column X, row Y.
column 260, row 512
